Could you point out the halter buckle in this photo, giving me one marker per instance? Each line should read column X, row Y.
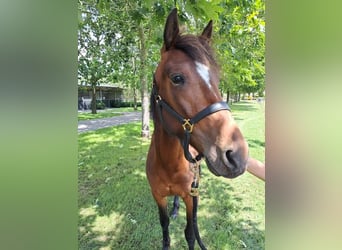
column 158, row 98
column 187, row 125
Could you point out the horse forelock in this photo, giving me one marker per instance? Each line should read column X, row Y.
column 197, row 48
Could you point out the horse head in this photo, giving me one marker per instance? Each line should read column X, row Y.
column 187, row 79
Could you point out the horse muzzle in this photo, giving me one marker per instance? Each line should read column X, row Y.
column 227, row 163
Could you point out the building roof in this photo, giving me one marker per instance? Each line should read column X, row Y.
column 102, row 85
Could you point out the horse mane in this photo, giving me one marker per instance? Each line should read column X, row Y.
column 198, row 49
column 153, row 100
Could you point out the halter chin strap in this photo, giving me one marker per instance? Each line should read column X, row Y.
column 187, row 124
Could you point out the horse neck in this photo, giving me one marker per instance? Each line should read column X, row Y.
column 165, row 142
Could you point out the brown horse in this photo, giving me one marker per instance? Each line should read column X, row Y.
column 189, row 118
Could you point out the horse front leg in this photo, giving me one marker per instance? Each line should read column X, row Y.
column 197, row 235
column 164, row 222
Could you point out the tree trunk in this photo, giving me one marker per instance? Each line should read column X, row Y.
column 135, row 98
column 93, row 99
column 145, row 128
column 228, row 95
column 135, row 105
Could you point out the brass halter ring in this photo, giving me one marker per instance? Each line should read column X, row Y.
column 187, row 125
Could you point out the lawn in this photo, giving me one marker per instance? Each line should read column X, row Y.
column 117, row 211
column 87, row 115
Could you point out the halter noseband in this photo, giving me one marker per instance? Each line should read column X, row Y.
column 187, row 124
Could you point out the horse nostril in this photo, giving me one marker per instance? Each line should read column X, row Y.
column 231, row 159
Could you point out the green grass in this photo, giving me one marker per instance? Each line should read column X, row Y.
column 250, row 117
column 117, row 211
column 87, row 115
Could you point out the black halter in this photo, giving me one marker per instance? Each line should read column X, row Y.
column 187, row 124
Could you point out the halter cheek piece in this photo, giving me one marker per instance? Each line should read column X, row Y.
column 187, row 124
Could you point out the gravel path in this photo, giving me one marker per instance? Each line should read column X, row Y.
column 94, row 124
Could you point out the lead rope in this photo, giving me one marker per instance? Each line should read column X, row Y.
column 194, row 185
column 195, row 193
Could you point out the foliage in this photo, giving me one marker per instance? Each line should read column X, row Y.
column 104, row 52
column 240, row 43
column 119, row 41
column 103, row 49
column 116, row 208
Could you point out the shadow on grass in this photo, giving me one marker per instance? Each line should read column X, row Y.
column 117, row 211
column 242, row 106
column 227, row 223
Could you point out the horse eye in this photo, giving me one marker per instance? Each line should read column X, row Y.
column 177, row 79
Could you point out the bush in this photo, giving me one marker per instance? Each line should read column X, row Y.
column 100, row 105
column 118, row 104
column 130, row 104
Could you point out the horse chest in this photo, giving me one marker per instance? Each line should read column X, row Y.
column 177, row 182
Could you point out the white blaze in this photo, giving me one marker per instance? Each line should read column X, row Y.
column 203, row 71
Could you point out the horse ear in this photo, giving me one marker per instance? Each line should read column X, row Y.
column 171, row 30
column 208, row 30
